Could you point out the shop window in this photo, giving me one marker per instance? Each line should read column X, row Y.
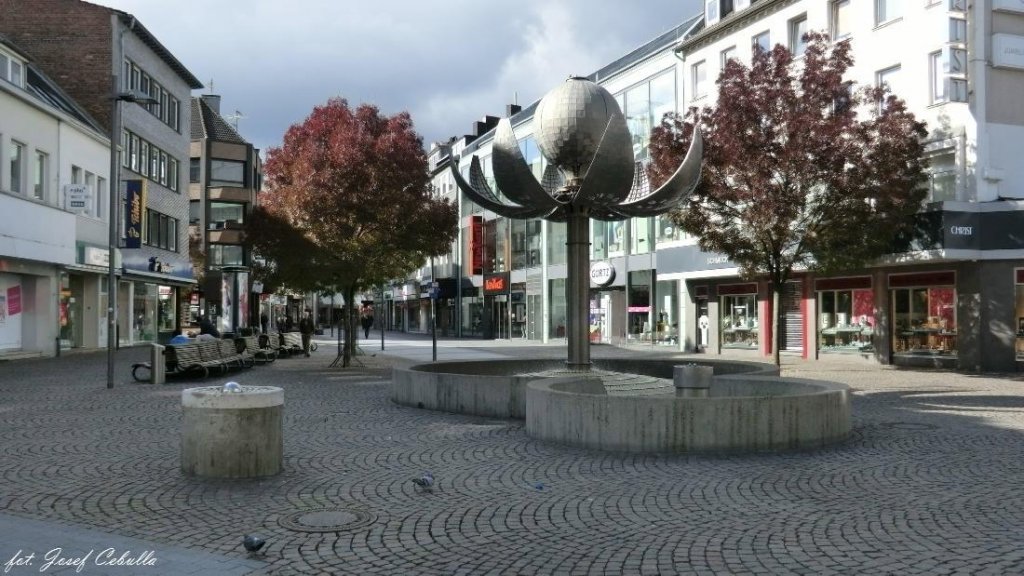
column 168, row 305
column 924, row 320
column 144, row 312
column 739, row 321
column 639, row 305
column 1019, row 316
column 667, row 324
column 846, row 320
column 558, row 308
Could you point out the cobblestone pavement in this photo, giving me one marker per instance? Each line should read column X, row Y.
column 931, row 482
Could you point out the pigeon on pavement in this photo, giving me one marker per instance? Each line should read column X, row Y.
column 253, row 543
column 425, row 482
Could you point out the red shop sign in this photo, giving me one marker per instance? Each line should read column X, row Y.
column 495, row 284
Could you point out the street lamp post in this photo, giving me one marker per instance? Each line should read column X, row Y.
column 117, row 96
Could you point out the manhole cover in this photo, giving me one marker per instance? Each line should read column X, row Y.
column 327, row 520
column 910, row 426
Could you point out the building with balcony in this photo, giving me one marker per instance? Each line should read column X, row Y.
column 225, row 176
column 94, row 51
column 54, row 175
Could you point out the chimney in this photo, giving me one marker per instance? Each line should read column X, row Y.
column 213, row 101
column 513, row 109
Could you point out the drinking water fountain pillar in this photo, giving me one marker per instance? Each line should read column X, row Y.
column 232, row 431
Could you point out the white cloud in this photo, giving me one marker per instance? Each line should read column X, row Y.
column 448, row 63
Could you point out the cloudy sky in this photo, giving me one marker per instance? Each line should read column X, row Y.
column 448, row 62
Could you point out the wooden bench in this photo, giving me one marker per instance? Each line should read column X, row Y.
column 250, row 346
column 291, row 343
column 179, row 359
column 272, row 342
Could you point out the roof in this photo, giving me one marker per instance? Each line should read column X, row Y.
column 206, row 123
column 666, row 40
column 44, row 89
column 147, row 38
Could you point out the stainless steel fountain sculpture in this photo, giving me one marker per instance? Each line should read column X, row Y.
column 591, row 173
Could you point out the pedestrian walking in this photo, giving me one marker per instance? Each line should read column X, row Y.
column 367, row 322
column 264, row 322
column 306, row 329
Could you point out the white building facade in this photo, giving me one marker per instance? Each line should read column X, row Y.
column 958, row 300
column 54, row 221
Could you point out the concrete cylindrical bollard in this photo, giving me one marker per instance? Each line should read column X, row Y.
column 158, row 370
column 692, row 380
column 228, row 434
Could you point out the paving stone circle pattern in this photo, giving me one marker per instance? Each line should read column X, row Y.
column 931, row 482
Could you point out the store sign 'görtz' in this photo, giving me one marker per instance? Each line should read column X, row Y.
column 602, row 273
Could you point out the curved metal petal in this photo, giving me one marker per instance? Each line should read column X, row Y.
column 512, row 174
column 480, row 193
column 681, row 184
column 610, row 173
column 553, row 179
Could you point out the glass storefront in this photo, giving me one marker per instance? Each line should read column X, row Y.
column 924, row 320
column 70, row 319
column 472, row 313
column 1019, row 316
column 739, row 321
column 168, row 304
column 666, row 311
column 144, row 312
column 845, row 320
column 638, row 306
column 558, row 308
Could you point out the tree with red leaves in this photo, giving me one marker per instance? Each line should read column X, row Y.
column 793, row 177
column 348, row 204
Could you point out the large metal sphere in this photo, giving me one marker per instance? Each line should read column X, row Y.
column 570, row 121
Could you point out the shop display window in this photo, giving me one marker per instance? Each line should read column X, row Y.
column 144, row 312
column 168, row 305
column 924, row 320
column 739, row 321
column 1019, row 316
column 846, row 320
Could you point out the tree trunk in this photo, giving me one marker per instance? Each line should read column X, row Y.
column 776, row 322
column 350, row 334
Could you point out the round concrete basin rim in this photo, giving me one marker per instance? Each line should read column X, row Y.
column 214, row 397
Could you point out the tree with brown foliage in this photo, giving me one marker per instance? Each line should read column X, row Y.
column 348, row 204
column 801, row 170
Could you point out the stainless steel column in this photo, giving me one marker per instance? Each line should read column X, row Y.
column 577, row 291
